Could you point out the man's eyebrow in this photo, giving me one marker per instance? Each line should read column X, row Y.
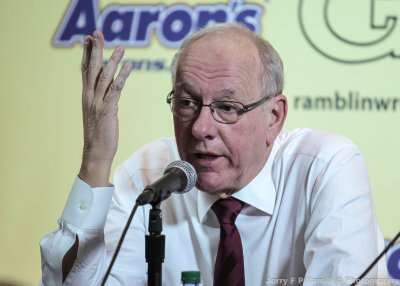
column 223, row 94
column 187, row 87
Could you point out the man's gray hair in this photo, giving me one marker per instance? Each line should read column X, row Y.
column 272, row 80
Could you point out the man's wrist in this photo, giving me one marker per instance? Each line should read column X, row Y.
column 96, row 173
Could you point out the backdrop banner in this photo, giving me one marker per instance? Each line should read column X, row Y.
column 341, row 60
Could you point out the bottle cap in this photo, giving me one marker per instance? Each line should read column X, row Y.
column 191, row 276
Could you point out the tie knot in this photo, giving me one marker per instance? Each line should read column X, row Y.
column 227, row 210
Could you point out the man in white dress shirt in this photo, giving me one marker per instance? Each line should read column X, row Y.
column 308, row 216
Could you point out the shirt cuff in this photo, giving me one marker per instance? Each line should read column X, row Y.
column 87, row 207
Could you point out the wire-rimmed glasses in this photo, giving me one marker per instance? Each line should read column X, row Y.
column 223, row 111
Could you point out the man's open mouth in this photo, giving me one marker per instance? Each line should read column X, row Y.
column 206, row 156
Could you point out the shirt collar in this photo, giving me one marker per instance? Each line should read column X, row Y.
column 259, row 193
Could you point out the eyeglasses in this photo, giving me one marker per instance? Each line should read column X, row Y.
column 223, row 111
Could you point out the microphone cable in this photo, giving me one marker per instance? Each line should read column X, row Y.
column 128, row 223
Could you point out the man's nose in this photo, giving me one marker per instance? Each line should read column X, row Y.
column 204, row 126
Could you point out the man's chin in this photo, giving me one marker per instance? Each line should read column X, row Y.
column 214, row 189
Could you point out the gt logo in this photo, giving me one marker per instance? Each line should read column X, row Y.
column 351, row 32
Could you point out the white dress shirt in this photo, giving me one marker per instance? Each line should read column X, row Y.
column 309, row 219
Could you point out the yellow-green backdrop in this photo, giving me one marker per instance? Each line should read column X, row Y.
column 41, row 130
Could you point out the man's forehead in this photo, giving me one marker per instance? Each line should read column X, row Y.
column 214, row 51
column 222, row 66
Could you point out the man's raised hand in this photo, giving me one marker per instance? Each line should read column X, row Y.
column 100, row 96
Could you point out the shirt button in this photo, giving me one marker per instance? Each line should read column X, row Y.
column 77, row 263
column 83, row 206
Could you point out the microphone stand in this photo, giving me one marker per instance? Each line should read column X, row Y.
column 155, row 246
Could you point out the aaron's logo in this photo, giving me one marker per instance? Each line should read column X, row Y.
column 136, row 25
column 351, row 32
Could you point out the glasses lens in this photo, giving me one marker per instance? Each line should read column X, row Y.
column 184, row 107
column 226, row 111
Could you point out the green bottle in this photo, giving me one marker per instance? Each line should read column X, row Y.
column 191, row 278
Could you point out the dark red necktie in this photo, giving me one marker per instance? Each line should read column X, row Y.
column 229, row 266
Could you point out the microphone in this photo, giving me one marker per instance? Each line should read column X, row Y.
column 179, row 177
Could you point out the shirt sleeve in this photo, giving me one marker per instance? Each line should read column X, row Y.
column 82, row 226
column 343, row 237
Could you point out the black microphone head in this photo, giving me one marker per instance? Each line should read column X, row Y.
column 189, row 171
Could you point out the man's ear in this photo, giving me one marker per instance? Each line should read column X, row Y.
column 277, row 111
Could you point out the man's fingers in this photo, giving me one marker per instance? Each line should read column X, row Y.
column 107, row 75
column 87, row 50
column 98, row 82
column 116, row 86
column 96, row 58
